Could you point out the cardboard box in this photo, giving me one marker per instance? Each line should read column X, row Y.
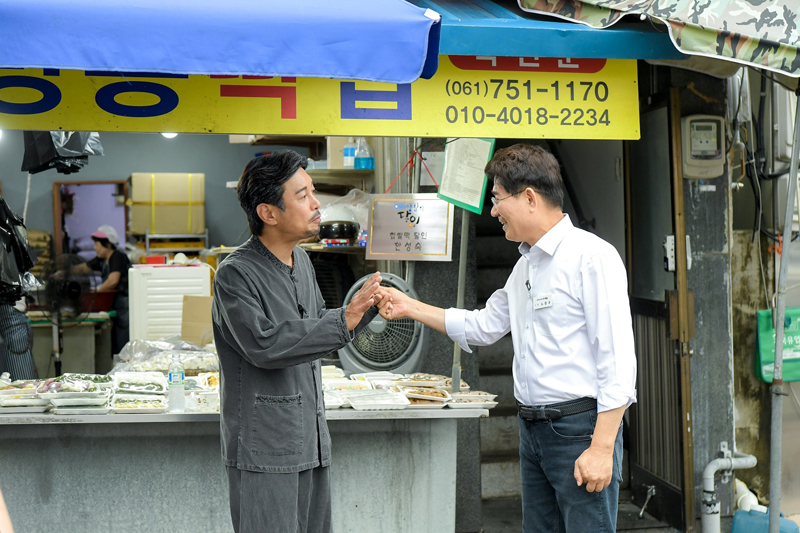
column 335, row 147
column 174, row 201
column 196, row 324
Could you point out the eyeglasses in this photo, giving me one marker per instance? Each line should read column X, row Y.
column 496, row 201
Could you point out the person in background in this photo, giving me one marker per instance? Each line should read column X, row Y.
column 566, row 306
column 113, row 266
column 17, row 335
column 271, row 328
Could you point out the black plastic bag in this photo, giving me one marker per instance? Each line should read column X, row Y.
column 65, row 151
column 16, row 255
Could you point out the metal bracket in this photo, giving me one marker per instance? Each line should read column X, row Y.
column 727, row 454
column 669, row 253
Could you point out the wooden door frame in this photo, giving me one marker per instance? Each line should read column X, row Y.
column 57, row 227
column 678, row 305
column 685, row 311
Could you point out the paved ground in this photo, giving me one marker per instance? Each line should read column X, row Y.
column 504, row 515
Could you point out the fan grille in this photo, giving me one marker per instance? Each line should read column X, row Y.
column 386, row 347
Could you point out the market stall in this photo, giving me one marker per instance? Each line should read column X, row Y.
column 147, row 472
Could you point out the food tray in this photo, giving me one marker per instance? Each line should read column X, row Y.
column 141, row 382
column 408, row 391
column 391, row 400
column 59, row 401
column 81, row 410
column 30, row 401
column 18, row 392
column 74, row 395
column 471, row 405
column 20, row 410
column 473, row 395
column 448, row 388
column 418, row 383
column 332, row 401
column 372, row 376
column 346, row 384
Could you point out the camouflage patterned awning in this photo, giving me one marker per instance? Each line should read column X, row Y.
column 760, row 33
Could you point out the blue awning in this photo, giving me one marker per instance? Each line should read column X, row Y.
column 484, row 27
column 378, row 40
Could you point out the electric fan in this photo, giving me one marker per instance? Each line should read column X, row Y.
column 392, row 345
column 67, row 297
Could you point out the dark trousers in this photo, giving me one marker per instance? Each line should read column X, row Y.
column 298, row 502
column 552, row 501
column 17, row 343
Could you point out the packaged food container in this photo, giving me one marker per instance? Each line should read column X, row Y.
column 140, row 382
column 346, row 384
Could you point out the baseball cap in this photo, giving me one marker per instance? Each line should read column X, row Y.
column 107, row 232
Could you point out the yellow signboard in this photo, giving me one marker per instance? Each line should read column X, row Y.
column 495, row 97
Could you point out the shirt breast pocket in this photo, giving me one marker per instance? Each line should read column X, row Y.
column 550, row 317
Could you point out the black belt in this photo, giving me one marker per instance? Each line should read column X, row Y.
column 537, row 413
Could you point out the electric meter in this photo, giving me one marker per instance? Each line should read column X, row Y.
column 702, row 146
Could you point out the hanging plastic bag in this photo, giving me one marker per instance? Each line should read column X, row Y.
column 65, row 151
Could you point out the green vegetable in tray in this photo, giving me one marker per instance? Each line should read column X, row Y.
column 150, row 387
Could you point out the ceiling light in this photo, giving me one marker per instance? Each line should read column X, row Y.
column 170, row 135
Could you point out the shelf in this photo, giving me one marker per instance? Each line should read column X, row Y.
column 348, row 178
column 183, row 242
column 315, row 144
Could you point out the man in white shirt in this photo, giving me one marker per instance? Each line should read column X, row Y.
column 566, row 306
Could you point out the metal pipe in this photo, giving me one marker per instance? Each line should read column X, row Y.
column 462, row 280
column 709, row 519
column 777, row 379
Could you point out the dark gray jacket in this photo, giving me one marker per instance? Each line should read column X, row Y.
column 270, row 328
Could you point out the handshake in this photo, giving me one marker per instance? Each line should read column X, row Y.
column 392, row 304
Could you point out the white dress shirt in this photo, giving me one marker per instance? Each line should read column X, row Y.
column 566, row 305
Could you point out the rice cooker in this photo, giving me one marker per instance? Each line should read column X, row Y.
column 338, row 222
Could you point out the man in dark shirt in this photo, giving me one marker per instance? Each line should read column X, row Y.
column 271, row 328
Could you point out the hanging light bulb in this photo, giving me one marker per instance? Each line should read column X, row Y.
column 170, row 135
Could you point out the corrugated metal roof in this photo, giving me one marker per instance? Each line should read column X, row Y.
column 485, row 27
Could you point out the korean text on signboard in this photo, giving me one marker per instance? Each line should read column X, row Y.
column 469, row 96
column 411, row 227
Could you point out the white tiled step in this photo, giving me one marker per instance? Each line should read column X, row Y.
column 499, row 435
column 500, row 477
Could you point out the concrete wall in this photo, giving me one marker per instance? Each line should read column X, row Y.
column 752, row 398
column 707, row 207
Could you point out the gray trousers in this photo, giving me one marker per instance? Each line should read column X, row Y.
column 298, row 502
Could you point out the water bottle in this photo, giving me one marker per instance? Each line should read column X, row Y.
column 349, row 153
column 364, row 158
column 177, row 400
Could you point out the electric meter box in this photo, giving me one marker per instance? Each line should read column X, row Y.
column 703, row 144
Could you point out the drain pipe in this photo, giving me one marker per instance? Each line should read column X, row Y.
column 709, row 520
